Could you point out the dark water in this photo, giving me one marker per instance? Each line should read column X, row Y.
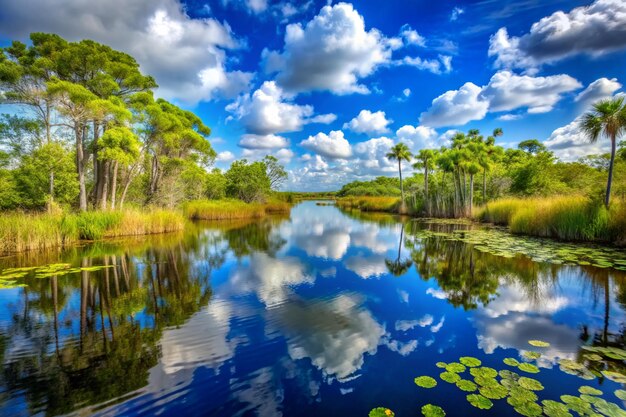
column 319, row 314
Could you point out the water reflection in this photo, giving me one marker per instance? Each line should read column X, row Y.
column 322, row 312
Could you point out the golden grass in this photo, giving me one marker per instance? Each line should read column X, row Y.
column 575, row 218
column 227, row 209
column 367, row 203
column 21, row 232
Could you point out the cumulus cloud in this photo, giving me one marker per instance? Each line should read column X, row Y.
column 333, row 146
column 411, row 37
column 505, row 91
column 268, row 111
column 369, row 123
column 186, row 56
column 406, row 92
column 406, row 325
column 417, row 137
column 595, row 30
column 225, row 156
column 456, row 107
column 252, row 141
column 456, row 12
column 441, row 65
column 367, row 266
column 330, row 52
column 598, row 90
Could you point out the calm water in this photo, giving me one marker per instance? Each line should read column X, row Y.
column 317, row 314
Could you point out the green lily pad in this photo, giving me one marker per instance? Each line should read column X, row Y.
column 538, row 343
column 455, row 367
column 586, row 389
column 484, row 372
column 425, row 382
column 470, row 362
column 494, row 392
column 381, row 412
column 530, row 355
column 466, row 385
column 430, row 410
column 529, row 409
column 511, row 361
column 620, row 393
column 441, row 365
column 450, row 377
column 615, row 376
column 530, row 384
column 577, row 404
column 479, row 401
column 528, row 367
column 486, row 382
column 506, row 374
column 555, row 409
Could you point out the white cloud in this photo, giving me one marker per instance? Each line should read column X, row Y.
column 371, row 157
column 284, row 155
column 456, row 107
column 330, row 52
column 367, row 266
column 186, row 56
column 332, row 146
column 456, row 12
column 507, row 91
column 599, row 89
column 504, row 92
column 417, row 137
column 268, row 111
column 438, row 326
column 595, row 30
column 369, row 123
column 406, row 325
column 442, row 65
column 406, row 92
column 411, row 37
column 509, row 117
column 270, row 141
column 225, row 156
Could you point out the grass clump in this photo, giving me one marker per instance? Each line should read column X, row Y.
column 572, row 218
column 21, row 232
column 227, row 209
column 370, row 203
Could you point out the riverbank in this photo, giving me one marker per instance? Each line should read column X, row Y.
column 20, row 232
column 228, row 209
column 568, row 218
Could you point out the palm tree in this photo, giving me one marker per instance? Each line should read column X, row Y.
column 425, row 159
column 607, row 118
column 399, row 153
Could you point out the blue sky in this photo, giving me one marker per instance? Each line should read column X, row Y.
column 328, row 87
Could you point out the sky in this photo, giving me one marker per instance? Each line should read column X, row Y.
column 328, row 87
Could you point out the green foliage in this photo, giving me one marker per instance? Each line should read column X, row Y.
column 247, row 181
column 380, row 186
column 425, row 382
column 381, row 412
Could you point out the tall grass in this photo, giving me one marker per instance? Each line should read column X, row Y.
column 232, row 209
column 573, row 218
column 23, row 232
column 367, row 203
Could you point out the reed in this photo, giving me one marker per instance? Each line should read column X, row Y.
column 232, row 209
column 367, row 203
column 573, row 218
column 21, row 232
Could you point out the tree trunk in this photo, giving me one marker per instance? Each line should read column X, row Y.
column 484, row 185
column 80, row 167
column 427, row 201
column 607, row 197
column 105, row 167
column 114, row 185
column 471, row 194
column 401, row 186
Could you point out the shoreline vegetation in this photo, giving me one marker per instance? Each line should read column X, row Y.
column 22, row 232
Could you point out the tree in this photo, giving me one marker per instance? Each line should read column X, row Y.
column 400, row 152
column 215, row 182
column 608, row 118
column 247, row 181
column 275, row 172
column 118, row 146
column 531, row 146
column 425, row 159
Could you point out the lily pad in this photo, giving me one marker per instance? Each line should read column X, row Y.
column 425, row 382
column 484, row 372
column 529, row 409
column 511, row 361
column 381, row 412
column 530, row 355
column 555, row 409
column 450, row 377
column 586, row 389
column 620, row 393
column 470, row 362
column 455, row 367
column 538, row 343
column 528, row 367
column 576, row 404
column 615, row 376
column 466, row 385
column 530, row 384
column 430, row 410
column 494, row 392
column 479, row 401
column 441, row 365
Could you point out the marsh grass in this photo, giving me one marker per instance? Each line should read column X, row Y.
column 228, row 209
column 21, row 232
column 573, row 218
column 367, row 203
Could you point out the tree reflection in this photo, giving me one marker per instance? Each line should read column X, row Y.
column 399, row 266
